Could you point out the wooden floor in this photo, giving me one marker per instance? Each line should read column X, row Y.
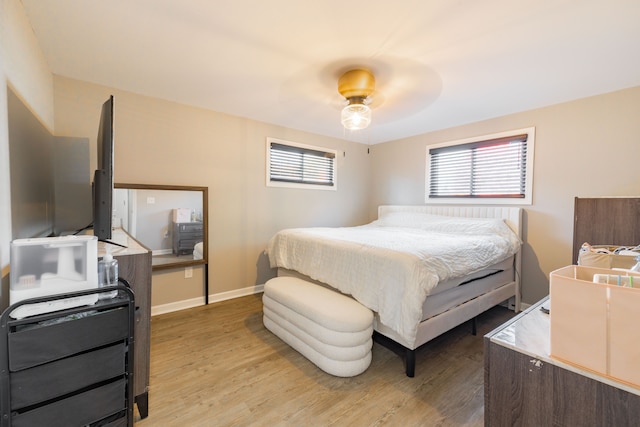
column 217, row 365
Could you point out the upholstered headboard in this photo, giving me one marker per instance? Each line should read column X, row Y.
column 511, row 215
column 611, row 221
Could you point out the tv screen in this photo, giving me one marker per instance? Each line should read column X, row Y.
column 103, row 176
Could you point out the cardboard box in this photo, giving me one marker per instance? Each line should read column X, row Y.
column 594, row 325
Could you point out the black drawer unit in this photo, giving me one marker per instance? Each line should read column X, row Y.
column 71, row 367
column 185, row 236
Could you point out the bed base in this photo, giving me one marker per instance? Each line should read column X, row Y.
column 441, row 323
column 409, row 354
column 434, row 326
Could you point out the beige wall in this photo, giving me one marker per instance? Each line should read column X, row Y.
column 173, row 291
column 161, row 142
column 589, row 147
column 584, row 148
column 23, row 68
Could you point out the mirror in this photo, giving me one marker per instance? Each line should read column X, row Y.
column 170, row 220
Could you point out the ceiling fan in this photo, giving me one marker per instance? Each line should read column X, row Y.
column 357, row 86
column 393, row 87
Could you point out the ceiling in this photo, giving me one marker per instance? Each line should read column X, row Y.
column 437, row 63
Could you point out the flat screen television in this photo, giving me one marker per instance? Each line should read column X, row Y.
column 103, row 176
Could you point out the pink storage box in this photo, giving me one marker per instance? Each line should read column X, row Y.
column 595, row 325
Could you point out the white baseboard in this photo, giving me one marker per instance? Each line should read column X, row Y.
column 176, row 306
column 196, row 302
column 223, row 296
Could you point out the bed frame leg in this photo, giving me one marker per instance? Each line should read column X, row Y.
column 474, row 326
column 399, row 349
column 411, row 363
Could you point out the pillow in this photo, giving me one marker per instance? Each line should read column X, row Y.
column 406, row 219
column 446, row 224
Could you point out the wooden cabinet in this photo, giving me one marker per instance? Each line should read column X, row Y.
column 524, row 386
column 134, row 265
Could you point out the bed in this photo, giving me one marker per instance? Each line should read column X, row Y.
column 409, row 269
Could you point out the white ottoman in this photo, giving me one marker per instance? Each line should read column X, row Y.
column 330, row 329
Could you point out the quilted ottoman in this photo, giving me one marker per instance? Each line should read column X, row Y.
column 330, row 329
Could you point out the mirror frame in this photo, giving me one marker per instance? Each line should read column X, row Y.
column 205, row 220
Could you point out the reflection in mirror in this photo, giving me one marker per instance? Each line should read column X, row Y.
column 171, row 221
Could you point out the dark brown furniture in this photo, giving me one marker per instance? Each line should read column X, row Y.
column 611, row 221
column 524, row 386
column 134, row 265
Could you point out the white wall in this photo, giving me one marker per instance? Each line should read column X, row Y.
column 22, row 67
column 588, row 147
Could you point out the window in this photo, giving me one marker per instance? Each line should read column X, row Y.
column 297, row 165
column 493, row 169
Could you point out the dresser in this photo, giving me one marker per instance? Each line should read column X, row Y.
column 524, row 386
column 185, row 236
column 68, row 367
column 134, row 265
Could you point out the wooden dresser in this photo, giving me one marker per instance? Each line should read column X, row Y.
column 524, row 386
column 134, row 265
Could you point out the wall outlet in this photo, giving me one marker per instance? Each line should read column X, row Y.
column 188, row 272
column 151, row 200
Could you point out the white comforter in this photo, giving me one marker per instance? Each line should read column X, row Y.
column 389, row 267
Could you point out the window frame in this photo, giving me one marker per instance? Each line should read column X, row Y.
column 300, row 185
column 528, row 195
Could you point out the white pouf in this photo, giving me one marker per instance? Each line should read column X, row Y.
column 330, row 329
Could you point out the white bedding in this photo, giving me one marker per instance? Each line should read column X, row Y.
column 392, row 264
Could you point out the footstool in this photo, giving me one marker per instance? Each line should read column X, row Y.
column 330, row 329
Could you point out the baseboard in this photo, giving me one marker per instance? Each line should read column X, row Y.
column 223, row 296
column 176, row 306
column 196, row 302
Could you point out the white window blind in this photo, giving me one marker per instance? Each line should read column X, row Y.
column 493, row 168
column 298, row 164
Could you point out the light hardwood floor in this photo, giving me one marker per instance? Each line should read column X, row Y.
column 217, row 365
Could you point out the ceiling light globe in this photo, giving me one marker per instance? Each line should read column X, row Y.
column 356, row 116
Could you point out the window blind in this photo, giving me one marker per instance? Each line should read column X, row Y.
column 494, row 168
column 301, row 165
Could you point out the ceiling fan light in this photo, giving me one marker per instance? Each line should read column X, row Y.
column 356, row 116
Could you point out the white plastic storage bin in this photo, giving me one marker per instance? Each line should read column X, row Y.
column 49, row 266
